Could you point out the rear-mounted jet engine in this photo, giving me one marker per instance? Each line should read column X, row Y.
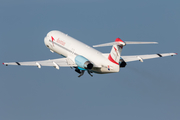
column 83, row 64
column 122, row 63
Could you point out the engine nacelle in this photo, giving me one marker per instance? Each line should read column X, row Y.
column 82, row 62
column 122, row 63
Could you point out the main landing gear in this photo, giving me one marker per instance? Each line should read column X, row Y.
column 81, row 72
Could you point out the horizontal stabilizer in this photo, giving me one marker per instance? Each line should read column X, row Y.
column 123, row 43
column 107, row 44
column 131, row 42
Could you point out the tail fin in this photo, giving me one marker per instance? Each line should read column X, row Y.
column 115, row 53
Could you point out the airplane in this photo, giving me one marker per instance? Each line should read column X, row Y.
column 85, row 58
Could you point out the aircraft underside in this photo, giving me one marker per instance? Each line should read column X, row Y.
column 85, row 58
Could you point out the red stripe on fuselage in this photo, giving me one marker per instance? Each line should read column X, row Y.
column 112, row 60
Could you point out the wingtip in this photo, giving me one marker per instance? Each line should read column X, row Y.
column 154, row 42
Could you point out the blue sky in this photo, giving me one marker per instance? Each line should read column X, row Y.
column 148, row 90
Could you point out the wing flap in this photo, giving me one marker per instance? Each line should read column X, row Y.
column 143, row 57
column 63, row 62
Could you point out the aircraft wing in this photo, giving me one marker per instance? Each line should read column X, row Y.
column 143, row 57
column 64, row 62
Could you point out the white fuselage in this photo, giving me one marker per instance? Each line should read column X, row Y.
column 69, row 47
